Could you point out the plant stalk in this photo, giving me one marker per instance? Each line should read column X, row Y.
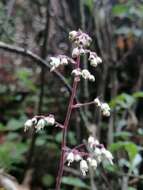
column 65, row 129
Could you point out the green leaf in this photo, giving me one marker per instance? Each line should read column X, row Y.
column 74, row 182
column 120, row 10
column 89, row 4
column 123, row 134
column 123, row 100
column 130, row 148
column 138, row 94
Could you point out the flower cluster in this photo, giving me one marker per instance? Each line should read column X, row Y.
column 55, row 62
column 80, row 39
column 105, row 109
column 84, row 73
column 94, row 59
column 39, row 122
column 96, row 154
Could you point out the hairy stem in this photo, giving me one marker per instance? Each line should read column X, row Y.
column 65, row 129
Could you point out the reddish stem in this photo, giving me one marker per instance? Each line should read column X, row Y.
column 78, row 105
column 65, row 129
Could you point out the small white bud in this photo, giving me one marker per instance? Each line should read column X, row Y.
column 89, row 160
column 85, row 74
column 97, row 102
column 107, row 154
column 64, row 61
column 70, row 158
column 99, row 60
column 97, row 151
column 105, row 106
column 92, row 78
column 93, row 163
column 34, row 121
column 50, row 120
column 77, row 157
column 72, row 35
column 54, row 62
column 93, row 62
column 106, row 113
column 83, row 167
column 28, row 124
column 76, row 72
column 75, row 52
column 91, row 140
column 40, row 125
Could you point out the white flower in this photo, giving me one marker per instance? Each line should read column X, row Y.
column 76, row 72
column 97, row 142
column 28, row 124
column 99, row 60
column 106, row 113
column 92, row 78
column 83, row 167
column 105, row 109
column 92, row 56
column 73, row 35
column 107, row 155
column 97, row 102
column 64, row 61
column 50, row 120
column 40, row 125
column 97, row 151
column 94, row 62
column 91, row 140
column 85, row 74
column 75, row 52
column 89, row 159
column 105, row 106
column 70, row 158
column 34, row 121
column 54, row 62
column 93, row 163
column 77, row 157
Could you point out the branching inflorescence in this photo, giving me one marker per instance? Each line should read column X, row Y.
column 91, row 153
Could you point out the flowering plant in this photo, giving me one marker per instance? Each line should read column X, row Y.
column 94, row 153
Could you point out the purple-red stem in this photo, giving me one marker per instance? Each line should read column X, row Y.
column 65, row 129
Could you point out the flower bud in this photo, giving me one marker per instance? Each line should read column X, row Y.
column 97, row 102
column 83, row 167
column 64, row 61
column 70, row 158
column 75, row 52
column 50, row 120
column 77, row 157
column 73, row 35
column 28, row 124
column 40, row 125
column 93, row 163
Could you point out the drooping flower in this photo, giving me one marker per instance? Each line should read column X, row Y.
column 40, row 125
column 28, row 124
column 107, row 155
column 97, row 102
column 87, row 75
column 83, row 167
column 76, row 72
column 70, row 158
column 77, row 157
column 105, row 109
column 50, row 120
column 93, row 163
